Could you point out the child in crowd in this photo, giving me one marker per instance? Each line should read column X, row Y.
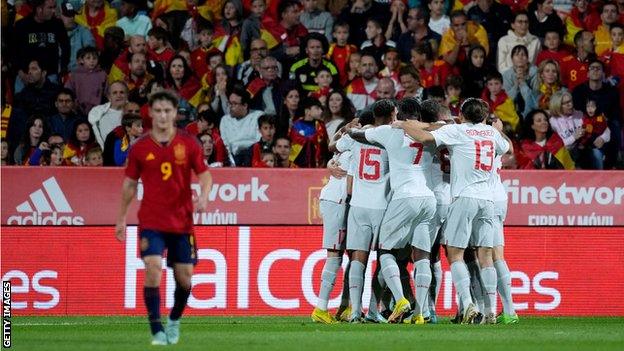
column 94, row 158
column 80, row 141
column 500, row 104
column 205, row 31
column 266, row 125
column 268, row 159
column 453, row 91
column 323, row 81
column 376, row 43
column 340, row 51
column 354, row 67
column 119, row 141
column 393, row 63
column 594, row 124
column 88, row 80
column 438, row 21
column 552, row 48
column 159, row 49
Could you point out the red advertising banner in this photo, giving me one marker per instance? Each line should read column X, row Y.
column 276, row 271
column 91, row 196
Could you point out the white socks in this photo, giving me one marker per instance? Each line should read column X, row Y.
column 328, row 277
column 392, row 276
column 356, row 285
column 488, row 277
column 504, row 286
column 461, row 281
column 422, row 280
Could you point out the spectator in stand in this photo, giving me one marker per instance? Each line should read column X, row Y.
column 361, row 91
column 552, row 48
column 253, row 26
column 475, row 70
column 79, row 36
column 549, row 80
column 199, row 55
column 597, row 133
column 37, row 131
column 98, row 16
column 433, row 72
column 453, row 90
column 208, row 123
column 608, row 16
column 289, row 111
column 410, row 81
column 417, row 32
column 584, row 16
column 354, row 67
column 541, row 148
column 48, row 153
column 138, row 77
column 520, row 81
column 518, row 35
column 500, row 104
column 41, row 37
column 309, row 137
column 153, row 86
column 357, row 13
column 288, row 32
column 617, row 44
column 324, row 82
column 106, row 117
column 393, row 63
column 385, row 89
column 180, row 79
column 119, row 141
column 94, row 157
column 338, row 111
column 201, row 15
column 113, row 47
column 239, row 128
column 396, row 26
column 315, row 20
column 250, row 69
column 566, row 121
column 574, row 66
column 80, row 141
column 340, row 51
column 121, row 67
column 264, row 90
column 304, row 70
column 4, row 154
column 606, row 98
column 376, row 43
column 216, row 93
column 158, row 47
column 461, row 35
column 133, row 21
column 439, row 22
column 266, row 126
column 62, row 123
column 209, row 153
column 87, row 80
column 543, row 19
column 282, row 150
column 227, row 33
column 494, row 17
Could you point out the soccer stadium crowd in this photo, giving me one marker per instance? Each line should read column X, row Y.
column 266, row 83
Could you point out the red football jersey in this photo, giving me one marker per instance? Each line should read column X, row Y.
column 165, row 171
column 573, row 71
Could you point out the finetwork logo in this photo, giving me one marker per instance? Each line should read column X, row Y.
column 46, row 206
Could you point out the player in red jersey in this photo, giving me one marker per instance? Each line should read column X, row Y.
column 163, row 159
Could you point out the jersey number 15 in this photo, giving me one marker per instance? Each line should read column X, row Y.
column 367, row 159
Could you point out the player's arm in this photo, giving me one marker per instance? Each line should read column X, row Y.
column 128, row 191
column 332, row 144
column 416, row 130
column 359, row 135
column 205, row 183
column 498, row 125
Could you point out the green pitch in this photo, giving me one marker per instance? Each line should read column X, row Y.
column 298, row 333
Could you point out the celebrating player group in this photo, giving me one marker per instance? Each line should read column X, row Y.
column 408, row 179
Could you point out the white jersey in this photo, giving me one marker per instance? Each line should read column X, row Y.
column 500, row 193
column 370, row 174
column 439, row 179
column 409, row 161
column 336, row 189
column 472, row 148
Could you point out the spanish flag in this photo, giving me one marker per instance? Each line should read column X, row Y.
column 553, row 155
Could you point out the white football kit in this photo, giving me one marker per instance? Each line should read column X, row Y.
column 333, row 207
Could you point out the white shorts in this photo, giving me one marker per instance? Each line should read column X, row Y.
column 500, row 212
column 470, row 221
column 408, row 221
column 334, row 224
column 363, row 228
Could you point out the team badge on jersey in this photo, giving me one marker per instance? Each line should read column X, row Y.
column 150, row 157
column 179, row 152
column 303, row 78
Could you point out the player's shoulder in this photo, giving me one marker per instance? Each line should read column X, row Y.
column 185, row 136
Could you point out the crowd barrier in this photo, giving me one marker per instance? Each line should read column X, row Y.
column 275, row 270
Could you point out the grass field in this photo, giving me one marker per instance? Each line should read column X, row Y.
column 298, row 333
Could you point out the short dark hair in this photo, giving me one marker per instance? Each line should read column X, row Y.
column 129, row 118
column 475, row 110
column 158, row 33
column 308, row 102
column 315, row 36
column 434, row 91
column 284, row 5
column 383, row 108
column 494, row 75
column 516, row 49
column 579, row 35
column 240, row 90
column 595, row 60
column 340, row 23
column 430, row 110
column 66, row 91
column 366, row 117
column 266, row 119
column 87, row 50
column 204, row 25
column 409, row 70
column 454, row 81
column 164, row 95
column 209, row 116
column 409, row 108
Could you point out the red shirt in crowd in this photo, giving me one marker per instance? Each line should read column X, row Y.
column 573, row 71
column 165, row 170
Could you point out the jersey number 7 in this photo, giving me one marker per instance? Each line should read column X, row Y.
column 365, row 160
column 487, row 148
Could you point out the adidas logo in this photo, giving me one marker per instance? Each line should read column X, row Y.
column 46, row 206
